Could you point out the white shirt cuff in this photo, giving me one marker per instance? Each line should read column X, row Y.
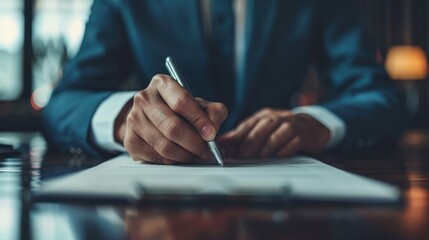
column 103, row 121
column 336, row 125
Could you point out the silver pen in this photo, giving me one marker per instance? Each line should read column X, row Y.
column 177, row 75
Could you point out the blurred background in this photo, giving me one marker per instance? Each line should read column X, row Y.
column 38, row 37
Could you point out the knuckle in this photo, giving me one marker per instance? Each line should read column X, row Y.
column 197, row 118
column 254, row 136
column 286, row 126
column 132, row 118
column 141, row 97
column 173, row 129
column 246, row 124
column 181, row 101
column 221, row 110
column 270, row 120
column 276, row 137
column 166, row 148
column 221, row 107
column 267, row 111
column 137, row 99
column 161, row 80
column 158, row 78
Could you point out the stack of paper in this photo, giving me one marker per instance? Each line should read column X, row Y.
column 293, row 178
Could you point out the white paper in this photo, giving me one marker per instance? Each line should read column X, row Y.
column 298, row 177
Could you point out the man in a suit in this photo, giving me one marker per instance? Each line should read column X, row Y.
column 249, row 56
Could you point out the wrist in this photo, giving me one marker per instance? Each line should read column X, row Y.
column 315, row 134
column 121, row 123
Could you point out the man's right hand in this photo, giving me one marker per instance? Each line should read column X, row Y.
column 165, row 124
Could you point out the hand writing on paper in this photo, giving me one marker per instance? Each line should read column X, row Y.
column 273, row 132
column 165, row 124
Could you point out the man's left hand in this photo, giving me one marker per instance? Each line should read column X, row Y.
column 275, row 132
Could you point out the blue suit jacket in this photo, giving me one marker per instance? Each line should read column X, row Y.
column 282, row 39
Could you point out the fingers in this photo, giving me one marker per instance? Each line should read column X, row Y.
column 141, row 151
column 278, row 139
column 291, row 148
column 217, row 112
column 231, row 141
column 256, row 137
column 266, row 133
column 163, row 146
column 164, row 129
column 167, row 125
column 181, row 102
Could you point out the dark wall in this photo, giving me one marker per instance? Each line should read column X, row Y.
column 399, row 22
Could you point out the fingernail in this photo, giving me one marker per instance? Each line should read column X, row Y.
column 208, row 132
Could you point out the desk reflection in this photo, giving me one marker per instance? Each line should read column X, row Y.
column 23, row 175
column 80, row 222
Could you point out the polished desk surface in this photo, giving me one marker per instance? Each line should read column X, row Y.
column 407, row 167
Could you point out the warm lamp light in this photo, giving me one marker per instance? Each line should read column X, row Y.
column 407, row 63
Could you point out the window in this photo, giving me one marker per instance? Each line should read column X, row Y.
column 58, row 28
column 11, row 49
column 57, row 31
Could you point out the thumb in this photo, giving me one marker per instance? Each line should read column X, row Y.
column 216, row 111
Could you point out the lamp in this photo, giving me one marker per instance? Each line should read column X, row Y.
column 408, row 63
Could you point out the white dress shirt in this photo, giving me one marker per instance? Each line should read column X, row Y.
column 103, row 121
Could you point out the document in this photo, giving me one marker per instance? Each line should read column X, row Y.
column 297, row 178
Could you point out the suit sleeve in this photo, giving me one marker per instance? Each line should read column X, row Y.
column 99, row 69
column 359, row 90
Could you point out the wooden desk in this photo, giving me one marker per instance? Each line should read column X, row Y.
column 406, row 167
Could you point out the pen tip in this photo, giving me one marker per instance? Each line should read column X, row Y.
column 216, row 152
column 219, row 157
